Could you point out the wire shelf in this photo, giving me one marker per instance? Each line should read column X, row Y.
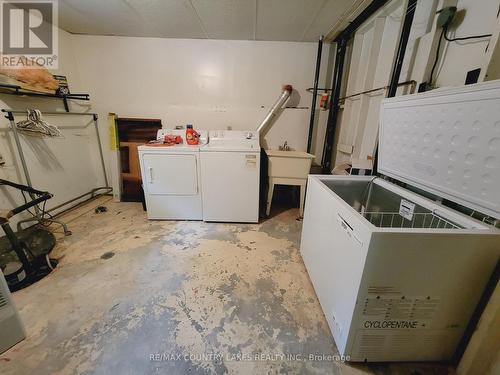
column 428, row 220
column 19, row 91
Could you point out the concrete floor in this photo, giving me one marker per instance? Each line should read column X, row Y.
column 132, row 296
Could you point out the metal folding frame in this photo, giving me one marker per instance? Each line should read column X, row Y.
column 39, row 215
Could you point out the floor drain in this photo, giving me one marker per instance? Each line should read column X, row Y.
column 107, row 255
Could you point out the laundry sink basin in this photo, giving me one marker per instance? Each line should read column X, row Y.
column 289, row 164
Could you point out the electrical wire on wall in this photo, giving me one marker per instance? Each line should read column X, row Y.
column 444, row 35
column 431, row 79
column 465, row 37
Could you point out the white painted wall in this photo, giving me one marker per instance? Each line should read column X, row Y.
column 456, row 58
column 479, row 17
column 210, row 83
column 213, row 84
column 66, row 167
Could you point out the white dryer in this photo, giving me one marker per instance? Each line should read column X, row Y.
column 171, row 178
column 230, row 169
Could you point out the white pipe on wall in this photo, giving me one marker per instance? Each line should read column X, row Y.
column 287, row 90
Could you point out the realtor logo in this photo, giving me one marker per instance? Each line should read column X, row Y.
column 28, row 33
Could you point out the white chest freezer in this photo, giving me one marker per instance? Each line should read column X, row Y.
column 398, row 275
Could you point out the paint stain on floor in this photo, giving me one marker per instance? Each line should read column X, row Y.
column 133, row 296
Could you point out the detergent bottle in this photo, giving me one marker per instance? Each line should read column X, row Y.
column 191, row 135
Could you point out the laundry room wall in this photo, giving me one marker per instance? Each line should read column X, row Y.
column 66, row 167
column 473, row 18
column 455, row 58
column 213, row 84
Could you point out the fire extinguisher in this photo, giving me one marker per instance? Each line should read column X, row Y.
column 324, row 101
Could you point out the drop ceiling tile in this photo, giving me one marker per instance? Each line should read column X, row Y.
column 170, row 19
column 285, row 19
column 153, row 18
column 95, row 17
column 329, row 14
column 227, row 19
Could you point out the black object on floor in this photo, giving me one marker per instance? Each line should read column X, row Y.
column 24, row 256
column 108, row 255
column 100, row 209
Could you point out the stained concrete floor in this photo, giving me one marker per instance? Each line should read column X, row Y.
column 132, row 296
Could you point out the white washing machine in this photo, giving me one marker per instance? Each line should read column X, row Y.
column 230, row 170
column 171, row 178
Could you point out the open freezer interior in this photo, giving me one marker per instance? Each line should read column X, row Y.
column 382, row 207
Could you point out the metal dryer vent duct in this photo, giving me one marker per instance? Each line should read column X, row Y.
column 287, row 90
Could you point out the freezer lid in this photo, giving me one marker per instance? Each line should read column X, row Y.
column 446, row 142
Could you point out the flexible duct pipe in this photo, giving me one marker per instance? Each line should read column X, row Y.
column 287, row 90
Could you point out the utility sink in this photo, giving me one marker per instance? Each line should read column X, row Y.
column 289, row 164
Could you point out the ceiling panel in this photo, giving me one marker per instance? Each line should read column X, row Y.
column 285, row 19
column 96, row 17
column 171, row 18
column 227, row 19
column 330, row 14
column 154, row 18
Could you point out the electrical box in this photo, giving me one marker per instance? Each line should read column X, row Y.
column 446, row 16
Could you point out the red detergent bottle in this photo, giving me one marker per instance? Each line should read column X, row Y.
column 192, row 136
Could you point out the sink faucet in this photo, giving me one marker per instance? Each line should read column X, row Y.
column 285, row 147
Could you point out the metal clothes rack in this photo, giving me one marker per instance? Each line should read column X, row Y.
column 39, row 215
